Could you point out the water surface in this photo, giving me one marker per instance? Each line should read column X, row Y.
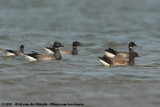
column 97, row 24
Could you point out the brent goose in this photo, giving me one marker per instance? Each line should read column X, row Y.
column 120, row 53
column 74, row 51
column 46, row 57
column 118, row 59
column 15, row 52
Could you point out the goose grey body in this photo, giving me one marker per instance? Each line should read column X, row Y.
column 74, row 50
column 15, row 52
column 116, row 61
column 123, row 54
column 46, row 57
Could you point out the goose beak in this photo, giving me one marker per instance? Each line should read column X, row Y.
column 138, row 55
column 80, row 44
column 61, row 45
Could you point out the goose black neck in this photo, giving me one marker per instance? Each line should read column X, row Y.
column 22, row 50
column 57, row 54
column 75, row 51
column 131, row 58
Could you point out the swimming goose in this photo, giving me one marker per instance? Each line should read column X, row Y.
column 46, row 57
column 120, row 53
column 118, row 59
column 74, row 51
column 15, row 52
column 65, row 51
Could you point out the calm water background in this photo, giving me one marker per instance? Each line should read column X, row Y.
column 97, row 24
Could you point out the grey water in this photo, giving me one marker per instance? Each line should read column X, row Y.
column 97, row 24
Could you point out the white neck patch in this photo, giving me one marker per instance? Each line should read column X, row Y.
column 131, row 47
column 74, row 47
